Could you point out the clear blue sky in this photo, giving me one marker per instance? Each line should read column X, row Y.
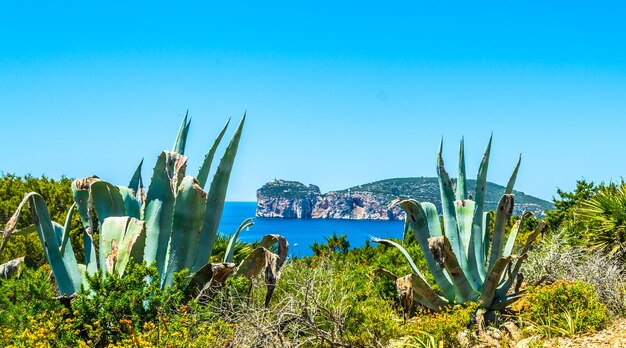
column 336, row 94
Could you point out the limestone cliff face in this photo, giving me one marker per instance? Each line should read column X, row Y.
column 294, row 200
column 286, row 199
column 358, row 205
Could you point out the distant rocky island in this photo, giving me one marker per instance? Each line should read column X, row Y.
column 294, row 200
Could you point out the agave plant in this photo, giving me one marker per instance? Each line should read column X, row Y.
column 174, row 225
column 466, row 263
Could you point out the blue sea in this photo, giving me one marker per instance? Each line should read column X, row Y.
column 302, row 232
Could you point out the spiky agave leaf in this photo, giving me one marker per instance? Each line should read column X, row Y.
column 181, row 138
column 122, row 238
column 80, row 192
column 64, row 267
column 420, row 286
column 510, row 242
column 461, row 186
column 479, row 237
column 203, row 173
column 505, row 208
column 511, row 183
column 447, row 207
column 504, row 288
column 189, row 209
column 136, row 182
column 159, row 206
column 215, row 200
column 489, row 288
column 230, row 250
column 419, row 222
column 263, row 259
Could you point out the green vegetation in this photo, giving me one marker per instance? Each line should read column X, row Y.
column 288, row 189
column 57, row 192
column 333, row 244
column 564, row 309
column 427, row 189
column 466, row 286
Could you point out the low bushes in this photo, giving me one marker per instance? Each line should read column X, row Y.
column 443, row 327
column 556, row 257
column 564, row 309
column 332, row 299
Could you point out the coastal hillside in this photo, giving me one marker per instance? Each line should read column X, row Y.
column 292, row 199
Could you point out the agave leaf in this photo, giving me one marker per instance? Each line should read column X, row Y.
column 385, row 273
column 405, row 230
column 506, row 285
column 132, row 205
column 65, row 271
column 508, row 248
column 80, row 192
column 189, row 209
column 478, row 236
column 441, row 249
column 136, row 183
column 426, row 295
column 69, row 259
column 230, row 250
column 208, row 280
column 261, row 258
column 203, row 174
column 107, row 200
column 490, row 285
column 461, row 188
column 509, row 186
column 283, row 246
column 111, row 234
column 505, row 209
column 432, row 215
column 121, row 238
column 404, row 252
column 501, row 303
column 418, row 220
column 198, row 280
column 447, row 204
column 66, row 229
column 181, row 138
column 65, row 246
column 529, row 242
column 215, row 199
column 502, row 290
column 464, row 210
column 159, row 206
column 25, row 231
column 485, row 237
column 253, row 263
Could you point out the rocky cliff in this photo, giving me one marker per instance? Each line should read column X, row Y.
column 294, row 200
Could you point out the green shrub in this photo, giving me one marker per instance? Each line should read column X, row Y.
column 27, row 294
column 29, row 314
column 443, row 327
column 564, row 308
column 105, row 312
column 59, row 195
column 556, row 258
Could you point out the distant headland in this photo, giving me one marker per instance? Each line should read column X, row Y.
column 294, row 200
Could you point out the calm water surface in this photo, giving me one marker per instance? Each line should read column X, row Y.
column 301, row 233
